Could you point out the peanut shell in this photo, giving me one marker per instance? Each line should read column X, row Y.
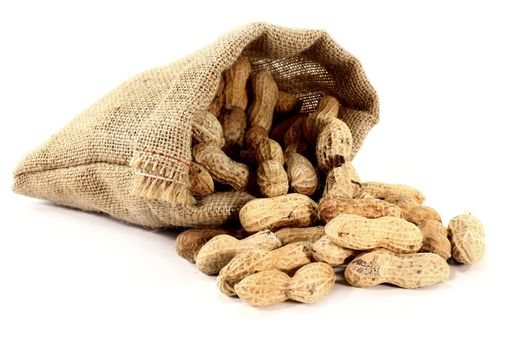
column 201, row 182
column 372, row 208
column 334, row 145
column 272, row 178
column 219, row 250
column 359, row 233
column 289, row 210
column 289, row 235
column 235, row 91
column 221, row 168
column 265, row 96
column 309, row 284
column 467, row 237
column 404, row 270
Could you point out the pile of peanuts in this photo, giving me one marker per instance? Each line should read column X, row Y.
column 313, row 213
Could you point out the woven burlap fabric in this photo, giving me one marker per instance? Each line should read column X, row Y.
column 128, row 154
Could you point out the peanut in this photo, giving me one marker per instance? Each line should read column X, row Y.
column 372, row 208
column 265, row 96
column 289, row 235
column 219, row 250
column 283, row 211
column 217, row 104
column 342, row 181
column 383, row 191
column 287, row 259
column 359, row 233
column 435, row 239
column 288, row 103
column 363, row 195
column 272, row 178
column 235, row 89
column 326, row 251
column 294, row 140
column 309, row 284
column 421, row 214
column 206, row 128
column 292, row 256
column 253, row 136
column 406, row 271
column 301, row 174
column 467, row 237
column 334, row 145
column 280, row 129
column 327, row 109
column 234, row 126
column 406, row 203
column 189, row 242
column 268, row 149
column 243, row 265
column 222, row 168
column 201, row 182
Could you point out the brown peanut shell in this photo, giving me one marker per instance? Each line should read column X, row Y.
column 384, row 190
column 327, row 109
column 420, row 214
column 334, row 145
column 326, row 251
column 288, row 103
column 233, row 127
column 201, row 182
column 265, row 96
column 236, row 78
column 301, row 174
column 219, row 250
column 359, row 233
column 309, row 284
column 467, row 237
column 435, row 239
column 253, row 136
column 404, row 270
column 342, row 181
column 289, row 210
column 206, row 128
column 222, row 168
column 279, row 130
column 189, row 242
column 372, row 208
column 272, row 178
column 268, row 149
column 289, row 235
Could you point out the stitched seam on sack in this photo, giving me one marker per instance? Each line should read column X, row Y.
column 166, row 155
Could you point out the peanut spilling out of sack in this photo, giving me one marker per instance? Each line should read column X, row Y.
column 313, row 212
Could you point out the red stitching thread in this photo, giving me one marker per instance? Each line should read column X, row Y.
column 167, row 155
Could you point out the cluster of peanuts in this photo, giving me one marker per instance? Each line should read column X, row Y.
column 313, row 214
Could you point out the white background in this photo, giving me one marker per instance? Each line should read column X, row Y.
column 451, row 81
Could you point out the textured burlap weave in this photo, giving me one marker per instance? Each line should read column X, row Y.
column 128, row 154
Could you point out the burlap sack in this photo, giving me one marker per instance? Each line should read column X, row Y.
column 128, row 154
